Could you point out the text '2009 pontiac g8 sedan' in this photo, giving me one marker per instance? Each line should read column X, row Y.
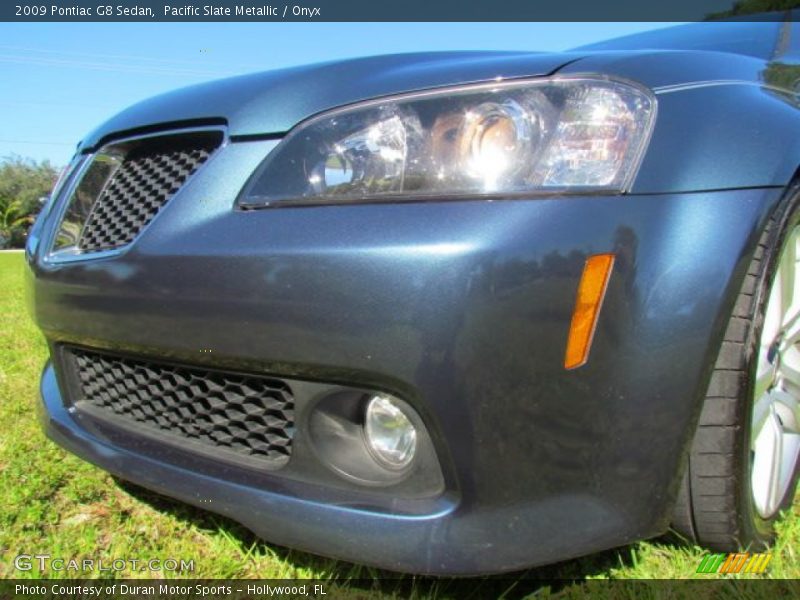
column 448, row 313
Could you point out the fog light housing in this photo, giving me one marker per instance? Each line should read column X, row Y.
column 391, row 436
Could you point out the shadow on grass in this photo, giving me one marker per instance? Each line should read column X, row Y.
column 372, row 580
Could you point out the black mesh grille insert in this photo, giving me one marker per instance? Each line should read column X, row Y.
column 250, row 415
column 149, row 173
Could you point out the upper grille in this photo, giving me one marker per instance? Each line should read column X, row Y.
column 249, row 415
column 147, row 174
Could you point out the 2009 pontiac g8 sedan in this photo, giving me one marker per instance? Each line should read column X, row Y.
column 445, row 313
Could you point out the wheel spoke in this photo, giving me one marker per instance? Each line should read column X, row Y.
column 789, row 371
column 766, row 467
column 761, row 412
column 791, row 331
column 787, row 410
column 787, row 268
column 765, row 377
column 773, row 317
column 790, row 451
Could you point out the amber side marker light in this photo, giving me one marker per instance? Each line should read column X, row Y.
column 591, row 291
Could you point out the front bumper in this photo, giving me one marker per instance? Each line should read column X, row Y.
column 460, row 308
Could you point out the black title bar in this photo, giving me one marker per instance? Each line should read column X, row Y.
column 377, row 10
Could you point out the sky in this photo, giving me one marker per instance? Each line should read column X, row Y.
column 58, row 81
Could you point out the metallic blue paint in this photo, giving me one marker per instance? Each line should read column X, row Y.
column 468, row 325
column 274, row 101
column 459, row 307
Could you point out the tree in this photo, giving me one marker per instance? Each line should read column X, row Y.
column 751, row 7
column 24, row 184
column 13, row 225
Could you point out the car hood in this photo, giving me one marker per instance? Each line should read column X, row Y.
column 273, row 102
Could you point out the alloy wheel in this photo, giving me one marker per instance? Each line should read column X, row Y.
column 775, row 419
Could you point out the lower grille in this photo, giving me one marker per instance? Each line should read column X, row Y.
column 250, row 416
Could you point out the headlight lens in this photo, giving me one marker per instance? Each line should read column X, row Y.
column 517, row 137
column 390, row 434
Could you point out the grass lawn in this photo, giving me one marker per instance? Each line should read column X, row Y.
column 54, row 503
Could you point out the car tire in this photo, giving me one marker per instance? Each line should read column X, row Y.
column 728, row 499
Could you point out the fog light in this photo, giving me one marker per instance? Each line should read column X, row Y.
column 391, row 437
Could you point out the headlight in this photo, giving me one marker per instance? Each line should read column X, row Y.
column 504, row 138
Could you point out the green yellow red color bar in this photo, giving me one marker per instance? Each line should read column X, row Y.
column 735, row 562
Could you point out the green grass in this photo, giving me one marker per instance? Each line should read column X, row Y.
column 52, row 502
